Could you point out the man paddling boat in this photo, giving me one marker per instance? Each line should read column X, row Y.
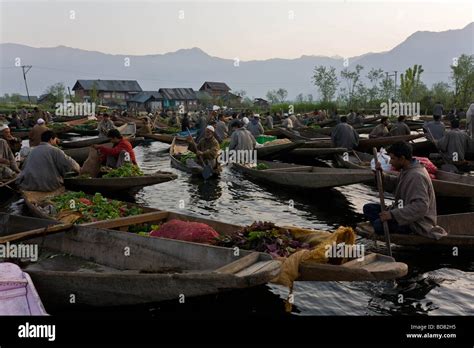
column 46, row 166
column 121, row 152
column 207, row 149
column 414, row 208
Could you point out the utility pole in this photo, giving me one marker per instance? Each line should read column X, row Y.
column 396, row 72
column 27, row 67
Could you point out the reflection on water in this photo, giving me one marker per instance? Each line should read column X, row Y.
column 436, row 285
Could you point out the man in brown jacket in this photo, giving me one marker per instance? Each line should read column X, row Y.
column 35, row 133
column 414, row 209
column 381, row 130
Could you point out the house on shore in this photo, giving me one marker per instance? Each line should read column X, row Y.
column 149, row 101
column 215, row 89
column 114, row 93
column 261, row 103
column 174, row 98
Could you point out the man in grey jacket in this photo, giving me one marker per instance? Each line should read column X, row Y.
column 344, row 135
column 414, row 208
column 46, row 166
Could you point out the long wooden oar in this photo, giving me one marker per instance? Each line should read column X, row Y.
column 207, row 171
column 35, row 233
column 382, row 202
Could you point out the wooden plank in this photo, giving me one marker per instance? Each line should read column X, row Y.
column 129, row 220
column 255, row 268
column 239, row 264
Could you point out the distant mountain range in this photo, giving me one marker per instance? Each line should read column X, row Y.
column 191, row 67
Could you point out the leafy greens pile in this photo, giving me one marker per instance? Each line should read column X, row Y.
column 93, row 208
column 264, row 237
column 126, row 170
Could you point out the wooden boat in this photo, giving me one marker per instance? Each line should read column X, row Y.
column 305, row 177
column 458, row 227
column 84, row 143
column 127, row 130
column 18, row 295
column 21, row 133
column 177, row 148
column 80, row 154
column 270, row 151
column 86, row 132
column 89, row 262
column 164, row 138
column 317, row 152
column 108, row 185
column 445, row 185
column 369, row 144
column 71, row 119
column 373, row 267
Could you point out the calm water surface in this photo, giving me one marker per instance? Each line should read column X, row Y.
column 437, row 284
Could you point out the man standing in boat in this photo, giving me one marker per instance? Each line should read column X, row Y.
column 207, row 150
column 414, row 207
column 221, row 128
column 344, row 135
column 46, row 166
column 121, row 152
column 381, row 130
column 400, row 128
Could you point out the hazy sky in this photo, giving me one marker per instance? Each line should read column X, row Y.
column 229, row 29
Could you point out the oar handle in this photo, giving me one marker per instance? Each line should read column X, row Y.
column 35, row 233
column 378, row 172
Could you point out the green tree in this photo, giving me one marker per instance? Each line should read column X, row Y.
column 299, row 98
column 56, row 93
column 463, row 78
column 352, row 80
column 309, row 98
column 281, row 94
column 386, row 88
column 326, row 82
column 441, row 91
column 410, row 83
column 272, row 97
column 374, row 76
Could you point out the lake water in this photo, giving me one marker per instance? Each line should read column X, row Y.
column 437, row 284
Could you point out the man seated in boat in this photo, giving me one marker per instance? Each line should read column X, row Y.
column 255, row 127
column 241, row 138
column 414, row 207
column 381, row 130
column 344, row 135
column 287, row 122
column 435, row 128
column 120, row 153
column 455, row 143
column 400, row 128
column 105, row 125
column 14, row 143
column 8, row 166
column 207, row 150
column 46, row 166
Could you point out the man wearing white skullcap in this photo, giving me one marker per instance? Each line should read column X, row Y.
column 207, row 150
column 35, row 133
